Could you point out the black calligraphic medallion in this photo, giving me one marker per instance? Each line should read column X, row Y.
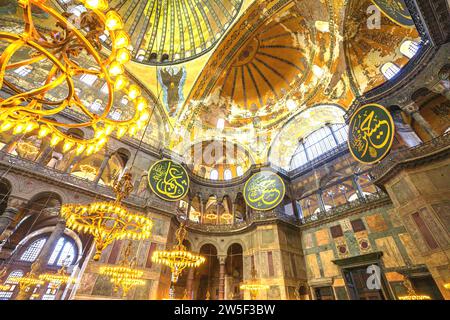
column 264, row 191
column 168, row 180
column 396, row 11
column 371, row 133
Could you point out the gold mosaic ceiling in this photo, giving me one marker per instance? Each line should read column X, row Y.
column 255, row 65
column 173, row 31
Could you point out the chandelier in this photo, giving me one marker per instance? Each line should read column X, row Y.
column 57, row 279
column 108, row 221
column 177, row 259
column 253, row 287
column 124, row 276
column 5, row 287
column 72, row 40
column 411, row 293
column 29, row 280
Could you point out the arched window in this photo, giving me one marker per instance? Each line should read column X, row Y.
column 64, row 251
column 409, row 48
column 6, row 295
column 77, row 10
column 319, row 142
column 115, row 115
column 89, row 79
column 214, row 175
column 354, row 196
column 23, row 71
column 227, row 175
column 239, row 171
column 33, row 250
column 96, row 105
column 220, row 124
column 390, row 70
column 104, row 88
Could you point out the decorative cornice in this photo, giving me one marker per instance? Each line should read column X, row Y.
column 431, row 151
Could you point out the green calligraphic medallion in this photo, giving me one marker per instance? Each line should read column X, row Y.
column 396, row 11
column 168, row 180
column 264, row 191
column 371, row 133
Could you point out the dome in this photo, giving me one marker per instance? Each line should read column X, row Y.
column 167, row 32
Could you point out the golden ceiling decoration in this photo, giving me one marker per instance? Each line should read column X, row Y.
column 253, row 77
column 173, row 31
column 124, row 275
column 108, row 221
column 367, row 49
column 31, row 110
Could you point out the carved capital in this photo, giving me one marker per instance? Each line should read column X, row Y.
column 410, row 107
column 222, row 259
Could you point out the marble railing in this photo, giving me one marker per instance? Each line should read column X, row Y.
column 430, row 148
column 277, row 214
column 12, row 161
column 254, row 217
column 359, row 204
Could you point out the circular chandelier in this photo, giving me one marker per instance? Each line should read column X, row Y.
column 108, row 221
column 178, row 258
column 252, row 286
column 124, row 276
column 29, row 280
column 34, row 110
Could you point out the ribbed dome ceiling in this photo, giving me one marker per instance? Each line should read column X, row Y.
column 173, row 31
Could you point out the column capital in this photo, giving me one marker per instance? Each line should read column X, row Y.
column 222, row 259
column 410, row 107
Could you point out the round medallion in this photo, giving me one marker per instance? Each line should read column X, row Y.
column 371, row 133
column 168, row 180
column 264, row 191
column 396, row 11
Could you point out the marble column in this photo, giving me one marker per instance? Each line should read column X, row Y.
column 6, row 218
column 320, row 200
column 357, row 187
column 11, row 145
column 222, row 260
column 43, row 155
column 102, row 168
column 414, row 111
column 189, row 284
column 72, row 163
column 404, row 130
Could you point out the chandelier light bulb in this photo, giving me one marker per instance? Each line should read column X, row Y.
column 122, row 40
column 113, row 21
column 115, row 69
